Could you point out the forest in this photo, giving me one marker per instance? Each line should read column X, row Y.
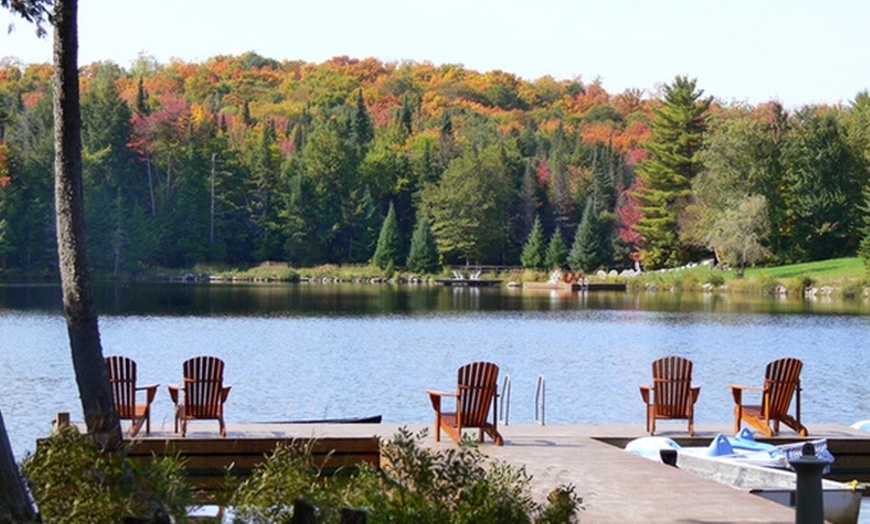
column 242, row 160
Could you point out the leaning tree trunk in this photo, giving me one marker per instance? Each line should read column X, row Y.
column 15, row 505
column 78, row 297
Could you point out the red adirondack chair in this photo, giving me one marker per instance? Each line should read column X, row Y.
column 781, row 383
column 475, row 393
column 122, row 377
column 671, row 395
column 204, row 393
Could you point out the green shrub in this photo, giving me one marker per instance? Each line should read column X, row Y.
column 73, row 480
column 268, row 494
column 852, row 291
column 417, row 484
column 714, row 279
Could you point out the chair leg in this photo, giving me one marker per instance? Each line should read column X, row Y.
column 136, row 426
column 223, row 427
column 437, row 427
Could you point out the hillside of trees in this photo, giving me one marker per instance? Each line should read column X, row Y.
column 244, row 159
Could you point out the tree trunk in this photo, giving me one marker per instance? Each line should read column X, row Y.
column 78, row 298
column 15, row 505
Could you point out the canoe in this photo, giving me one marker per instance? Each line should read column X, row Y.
column 374, row 419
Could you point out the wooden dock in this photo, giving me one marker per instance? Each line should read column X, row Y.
column 210, row 460
column 616, row 486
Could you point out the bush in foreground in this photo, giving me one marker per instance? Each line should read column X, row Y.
column 73, row 480
column 417, row 484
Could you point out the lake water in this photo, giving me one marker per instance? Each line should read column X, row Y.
column 312, row 351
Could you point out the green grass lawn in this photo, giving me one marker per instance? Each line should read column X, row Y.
column 848, row 275
column 828, row 271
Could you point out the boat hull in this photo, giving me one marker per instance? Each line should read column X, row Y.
column 842, row 502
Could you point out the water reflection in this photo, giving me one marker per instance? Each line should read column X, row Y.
column 198, row 299
column 331, row 351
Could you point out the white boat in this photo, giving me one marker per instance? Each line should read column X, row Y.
column 755, row 467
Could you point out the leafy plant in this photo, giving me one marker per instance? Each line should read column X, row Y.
column 417, row 484
column 714, row 279
column 72, row 480
column 268, row 494
column 852, row 291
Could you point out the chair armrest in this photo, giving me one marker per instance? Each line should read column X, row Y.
column 435, row 398
column 745, row 387
column 150, row 391
column 173, row 392
column 696, row 392
column 225, row 392
column 644, row 393
column 738, row 389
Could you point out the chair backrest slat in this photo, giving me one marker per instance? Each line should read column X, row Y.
column 781, row 380
column 203, row 387
column 672, row 386
column 477, row 383
column 122, row 377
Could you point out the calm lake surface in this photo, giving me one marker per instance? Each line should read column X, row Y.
column 311, row 351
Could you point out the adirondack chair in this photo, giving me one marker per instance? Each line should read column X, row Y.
column 122, row 377
column 204, row 393
column 671, row 395
column 781, row 383
column 475, row 393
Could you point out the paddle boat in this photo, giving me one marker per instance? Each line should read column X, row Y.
column 861, row 425
column 756, row 467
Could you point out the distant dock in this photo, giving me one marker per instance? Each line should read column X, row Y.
column 468, row 282
column 577, row 286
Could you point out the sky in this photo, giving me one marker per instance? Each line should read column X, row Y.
column 797, row 52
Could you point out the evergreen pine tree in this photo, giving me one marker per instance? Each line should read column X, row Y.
column 362, row 130
column 557, row 252
column 389, row 249
column 246, row 114
column 363, row 221
column 528, row 200
column 677, row 137
column 533, row 255
column 142, row 99
column 587, row 251
column 864, row 247
column 423, row 256
column 406, row 116
column 560, row 192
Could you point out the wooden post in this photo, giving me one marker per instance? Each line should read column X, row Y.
column 353, row 516
column 61, row 420
column 304, row 512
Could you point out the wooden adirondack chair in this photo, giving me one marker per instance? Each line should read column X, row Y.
column 122, row 377
column 671, row 395
column 204, row 393
column 475, row 393
column 781, row 383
